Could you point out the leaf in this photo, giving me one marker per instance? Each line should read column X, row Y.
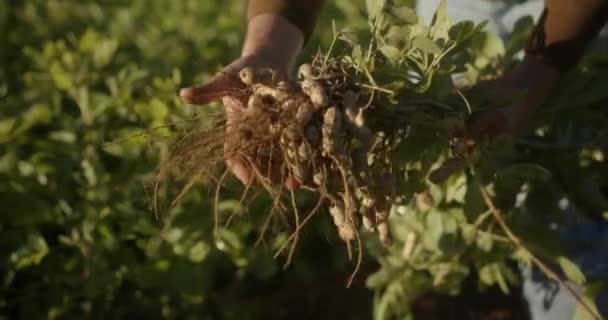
column 378, row 279
column 487, row 274
column 397, row 35
column 390, row 52
column 374, row 8
column 405, row 14
column 104, row 51
column 199, row 251
column 500, row 278
column 581, row 313
column 435, row 229
column 524, row 172
column 88, row 40
column 468, row 233
column 484, row 241
column 426, row 44
column 31, row 253
column 491, row 46
column 462, row 30
column 60, row 76
column 441, row 23
column 357, row 53
column 520, row 35
column 571, row 270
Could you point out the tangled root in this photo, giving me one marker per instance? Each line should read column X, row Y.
column 325, row 131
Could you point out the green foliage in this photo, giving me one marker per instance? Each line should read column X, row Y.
column 88, row 109
column 453, row 233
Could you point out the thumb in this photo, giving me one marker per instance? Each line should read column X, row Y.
column 220, row 86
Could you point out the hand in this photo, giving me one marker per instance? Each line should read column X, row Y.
column 523, row 90
column 224, row 86
column 271, row 42
column 521, row 93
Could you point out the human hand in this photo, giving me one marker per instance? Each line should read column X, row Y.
column 514, row 98
column 271, row 42
column 225, row 86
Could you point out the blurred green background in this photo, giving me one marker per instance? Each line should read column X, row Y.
column 87, row 90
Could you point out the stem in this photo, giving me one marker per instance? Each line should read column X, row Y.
column 436, row 60
column 518, row 242
column 333, row 42
column 373, row 87
column 294, row 243
column 299, row 227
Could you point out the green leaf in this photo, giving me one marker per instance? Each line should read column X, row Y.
column 441, row 23
column 520, row 35
column 199, row 251
column 60, row 76
column 487, row 274
column 462, row 30
column 404, row 13
column 469, row 233
column 456, row 188
column 490, row 46
column 378, row 279
column 374, row 8
column 88, row 40
column 391, row 53
column 397, row 35
column 571, row 270
column 524, row 172
column 484, row 241
column 31, row 253
column 426, row 44
column 581, row 313
column 500, row 278
column 435, row 229
column 104, row 51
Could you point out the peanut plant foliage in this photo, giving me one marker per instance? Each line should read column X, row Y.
column 90, row 112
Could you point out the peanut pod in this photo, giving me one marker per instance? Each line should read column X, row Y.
column 315, row 91
column 253, row 76
column 265, row 91
column 305, row 71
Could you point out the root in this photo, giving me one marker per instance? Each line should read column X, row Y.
column 294, row 243
column 299, row 228
column 216, row 202
column 313, row 133
column 359, row 260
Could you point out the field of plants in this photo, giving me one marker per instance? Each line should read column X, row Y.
column 110, row 209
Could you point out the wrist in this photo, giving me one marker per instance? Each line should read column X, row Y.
column 274, row 40
column 536, row 75
column 537, row 80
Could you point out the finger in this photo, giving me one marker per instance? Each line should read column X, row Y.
column 240, row 170
column 216, row 88
column 291, row 184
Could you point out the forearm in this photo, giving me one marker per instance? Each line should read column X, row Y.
column 301, row 13
column 274, row 37
column 557, row 44
column 565, row 29
column 277, row 29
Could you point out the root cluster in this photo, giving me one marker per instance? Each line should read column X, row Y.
column 317, row 132
column 328, row 132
